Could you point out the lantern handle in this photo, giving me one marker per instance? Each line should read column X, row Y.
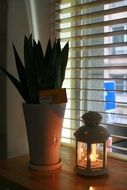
column 91, row 118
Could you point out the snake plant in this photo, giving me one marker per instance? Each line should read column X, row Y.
column 40, row 71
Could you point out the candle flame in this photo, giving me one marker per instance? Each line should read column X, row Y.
column 93, row 155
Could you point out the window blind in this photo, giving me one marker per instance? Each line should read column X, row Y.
column 96, row 76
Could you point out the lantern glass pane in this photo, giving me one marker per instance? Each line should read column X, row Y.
column 96, row 156
column 82, row 154
column 105, row 152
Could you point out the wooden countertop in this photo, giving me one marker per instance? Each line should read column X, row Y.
column 15, row 174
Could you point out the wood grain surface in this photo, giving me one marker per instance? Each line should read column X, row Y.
column 14, row 173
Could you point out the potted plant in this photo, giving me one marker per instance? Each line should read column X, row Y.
column 40, row 85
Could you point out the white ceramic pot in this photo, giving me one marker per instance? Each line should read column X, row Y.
column 44, row 125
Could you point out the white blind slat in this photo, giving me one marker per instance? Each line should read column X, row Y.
column 96, row 76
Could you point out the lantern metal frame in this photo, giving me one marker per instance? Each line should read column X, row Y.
column 90, row 135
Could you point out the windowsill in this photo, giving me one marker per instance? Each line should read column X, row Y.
column 14, row 173
column 117, row 156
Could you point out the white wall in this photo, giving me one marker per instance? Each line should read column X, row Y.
column 20, row 23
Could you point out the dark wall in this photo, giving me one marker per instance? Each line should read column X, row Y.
column 17, row 18
column 3, row 50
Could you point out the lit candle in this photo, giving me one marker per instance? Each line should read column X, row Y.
column 93, row 155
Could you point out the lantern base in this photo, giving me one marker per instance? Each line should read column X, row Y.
column 91, row 172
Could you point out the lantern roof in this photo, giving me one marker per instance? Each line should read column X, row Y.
column 91, row 134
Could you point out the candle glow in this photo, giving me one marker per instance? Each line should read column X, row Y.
column 93, row 155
